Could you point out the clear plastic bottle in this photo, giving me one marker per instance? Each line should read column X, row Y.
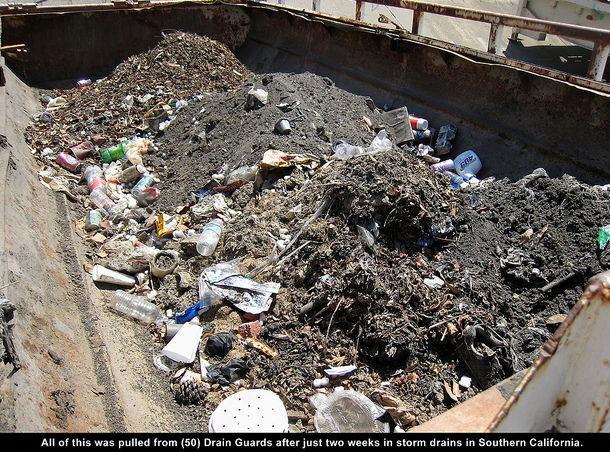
column 456, row 180
column 210, row 236
column 135, row 306
column 95, row 177
column 100, row 199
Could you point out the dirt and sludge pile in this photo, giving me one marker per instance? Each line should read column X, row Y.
column 369, row 273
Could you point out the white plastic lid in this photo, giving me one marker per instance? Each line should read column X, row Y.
column 250, row 411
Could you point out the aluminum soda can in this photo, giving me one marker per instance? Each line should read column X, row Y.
column 144, row 182
column 69, row 162
column 113, row 153
column 93, row 220
column 131, row 173
column 82, row 150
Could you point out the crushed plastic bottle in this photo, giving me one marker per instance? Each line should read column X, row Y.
column 100, row 199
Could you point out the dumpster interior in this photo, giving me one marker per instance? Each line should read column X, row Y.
column 378, row 281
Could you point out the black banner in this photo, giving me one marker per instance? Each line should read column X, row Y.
column 305, row 442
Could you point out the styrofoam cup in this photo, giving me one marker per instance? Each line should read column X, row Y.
column 105, row 275
column 183, row 346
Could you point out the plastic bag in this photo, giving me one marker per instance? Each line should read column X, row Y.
column 219, row 345
column 236, row 368
column 134, row 150
column 380, row 143
column 344, row 150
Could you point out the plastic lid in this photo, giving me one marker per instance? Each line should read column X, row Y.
column 250, row 411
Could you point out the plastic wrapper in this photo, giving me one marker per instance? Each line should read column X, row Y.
column 135, row 149
column 223, row 281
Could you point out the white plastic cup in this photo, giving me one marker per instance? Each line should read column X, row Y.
column 467, row 163
column 183, row 346
column 105, row 275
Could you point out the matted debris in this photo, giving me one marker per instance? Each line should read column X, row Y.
column 392, row 283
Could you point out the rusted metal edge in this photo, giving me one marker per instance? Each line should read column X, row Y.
column 21, row 9
column 507, row 20
column 473, row 55
column 577, row 81
column 480, row 57
column 598, row 285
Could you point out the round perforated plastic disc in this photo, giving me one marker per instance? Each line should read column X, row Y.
column 250, row 411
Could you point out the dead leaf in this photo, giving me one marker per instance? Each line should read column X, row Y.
column 526, row 236
column 449, row 392
column 556, row 319
column 368, row 122
column 98, row 238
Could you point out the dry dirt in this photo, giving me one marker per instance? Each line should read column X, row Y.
column 513, row 259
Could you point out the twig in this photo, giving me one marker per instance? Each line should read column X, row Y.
column 274, row 258
column 557, row 282
column 9, row 284
column 300, row 247
column 444, row 321
column 329, row 324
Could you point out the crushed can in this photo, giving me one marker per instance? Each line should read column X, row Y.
column 82, row 150
column 147, row 196
column 69, row 162
column 132, row 173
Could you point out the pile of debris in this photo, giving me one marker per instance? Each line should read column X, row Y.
column 344, row 261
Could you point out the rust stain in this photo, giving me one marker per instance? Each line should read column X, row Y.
column 560, row 403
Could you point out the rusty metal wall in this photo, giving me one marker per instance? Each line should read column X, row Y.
column 90, row 44
column 519, row 121
column 515, row 120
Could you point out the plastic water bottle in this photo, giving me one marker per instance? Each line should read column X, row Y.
column 95, row 177
column 210, row 236
column 135, row 306
column 456, row 180
column 100, row 199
